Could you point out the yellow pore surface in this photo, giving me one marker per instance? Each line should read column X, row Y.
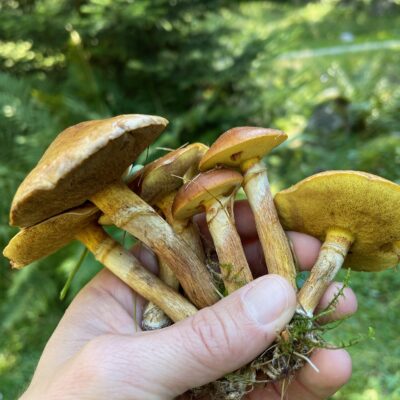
column 364, row 205
column 38, row 241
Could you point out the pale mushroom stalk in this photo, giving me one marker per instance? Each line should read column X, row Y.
column 273, row 239
column 243, row 148
column 231, row 258
column 129, row 212
column 90, row 158
column 126, row 267
column 213, row 192
column 330, row 260
column 153, row 317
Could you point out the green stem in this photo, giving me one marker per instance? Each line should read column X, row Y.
column 72, row 274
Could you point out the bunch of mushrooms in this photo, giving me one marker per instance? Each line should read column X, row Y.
column 77, row 187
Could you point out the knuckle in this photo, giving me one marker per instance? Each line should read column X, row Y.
column 93, row 361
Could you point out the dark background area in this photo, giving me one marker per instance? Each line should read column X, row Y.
column 326, row 72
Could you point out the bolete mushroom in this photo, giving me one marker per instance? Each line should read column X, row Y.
column 355, row 214
column 85, row 162
column 213, row 192
column 244, row 147
column 43, row 239
column 157, row 184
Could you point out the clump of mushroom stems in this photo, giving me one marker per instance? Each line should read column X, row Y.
column 130, row 213
column 243, row 148
column 235, row 271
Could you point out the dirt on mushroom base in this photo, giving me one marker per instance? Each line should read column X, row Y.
column 279, row 363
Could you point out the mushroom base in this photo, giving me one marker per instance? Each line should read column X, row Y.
column 278, row 363
column 154, row 318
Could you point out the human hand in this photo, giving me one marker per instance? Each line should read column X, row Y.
column 99, row 352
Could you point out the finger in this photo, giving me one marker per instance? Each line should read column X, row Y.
column 210, row 344
column 305, row 247
column 334, row 371
column 146, row 256
column 346, row 303
column 255, row 257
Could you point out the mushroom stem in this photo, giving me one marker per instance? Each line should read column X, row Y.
column 182, row 227
column 129, row 212
column 330, row 260
column 153, row 317
column 234, row 268
column 126, row 267
column 276, row 248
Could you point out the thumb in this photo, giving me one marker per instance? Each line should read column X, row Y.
column 218, row 339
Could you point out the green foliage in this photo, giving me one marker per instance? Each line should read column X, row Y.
column 325, row 72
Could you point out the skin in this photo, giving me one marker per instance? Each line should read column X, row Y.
column 99, row 352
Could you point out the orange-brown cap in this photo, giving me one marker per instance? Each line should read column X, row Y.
column 241, row 144
column 206, row 187
column 164, row 175
column 362, row 204
column 82, row 160
column 38, row 241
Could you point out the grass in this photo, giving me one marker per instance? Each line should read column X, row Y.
column 375, row 362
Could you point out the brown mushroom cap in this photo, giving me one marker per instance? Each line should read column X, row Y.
column 363, row 204
column 82, row 160
column 240, row 144
column 207, row 186
column 163, row 176
column 38, row 241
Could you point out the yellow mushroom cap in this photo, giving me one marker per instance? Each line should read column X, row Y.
column 165, row 174
column 82, row 160
column 240, row 144
column 362, row 204
column 192, row 198
column 38, row 241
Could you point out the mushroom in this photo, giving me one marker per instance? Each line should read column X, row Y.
column 355, row 214
column 157, row 184
column 85, row 162
column 43, row 239
column 244, row 147
column 213, row 192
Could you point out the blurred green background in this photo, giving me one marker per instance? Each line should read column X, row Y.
column 326, row 72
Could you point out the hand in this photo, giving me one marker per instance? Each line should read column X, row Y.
column 99, row 352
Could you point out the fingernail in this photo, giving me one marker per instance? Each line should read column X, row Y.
column 268, row 299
